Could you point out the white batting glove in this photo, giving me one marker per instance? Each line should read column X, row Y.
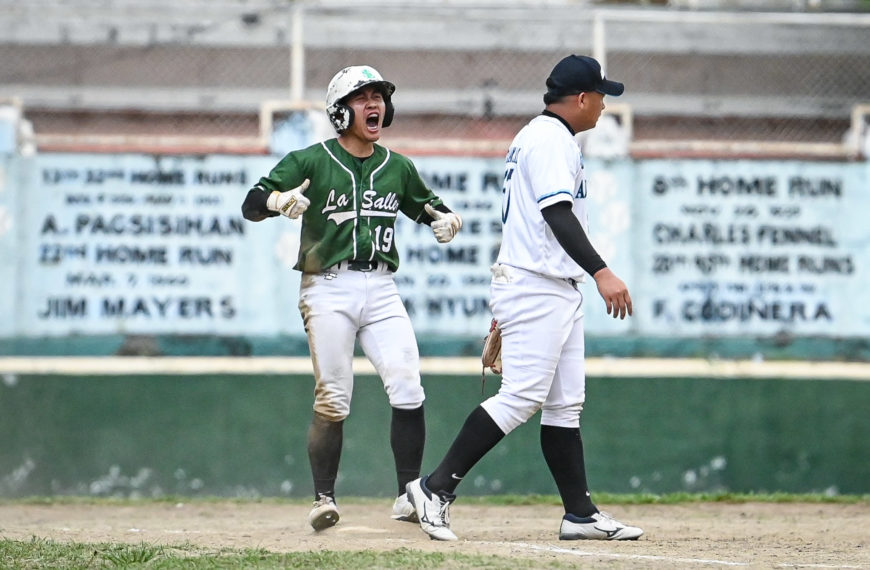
column 291, row 203
column 445, row 225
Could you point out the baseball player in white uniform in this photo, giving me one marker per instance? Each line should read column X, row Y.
column 545, row 253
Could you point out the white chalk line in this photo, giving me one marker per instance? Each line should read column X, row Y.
column 572, row 552
column 672, row 559
column 604, row 367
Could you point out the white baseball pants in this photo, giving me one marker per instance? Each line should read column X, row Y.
column 338, row 306
column 543, row 352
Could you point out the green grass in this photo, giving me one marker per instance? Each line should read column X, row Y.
column 495, row 500
column 40, row 553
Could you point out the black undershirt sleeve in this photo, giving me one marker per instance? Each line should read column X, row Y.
column 254, row 207
column 570, row 235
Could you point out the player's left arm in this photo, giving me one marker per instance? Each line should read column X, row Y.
column 424, row 207
column 445, row 223
column 614, row 292
column 570, row 234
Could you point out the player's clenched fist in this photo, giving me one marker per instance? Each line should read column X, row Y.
column 445, row 225
column 291, row 203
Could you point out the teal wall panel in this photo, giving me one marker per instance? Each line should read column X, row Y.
column 139, row 248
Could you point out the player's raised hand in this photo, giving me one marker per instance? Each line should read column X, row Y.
column 291, row 203
column 614, row 292
column 445, row 225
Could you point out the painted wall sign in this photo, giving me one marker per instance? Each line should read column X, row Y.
column 132, row 244
column 753, row 248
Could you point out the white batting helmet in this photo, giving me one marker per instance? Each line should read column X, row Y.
column 347, row 81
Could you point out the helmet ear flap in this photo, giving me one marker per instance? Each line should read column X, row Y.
column 341, row 117
column 389, row 112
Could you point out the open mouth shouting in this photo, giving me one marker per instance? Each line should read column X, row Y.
column 373, row 122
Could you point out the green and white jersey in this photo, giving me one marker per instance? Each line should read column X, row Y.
column 354, row 202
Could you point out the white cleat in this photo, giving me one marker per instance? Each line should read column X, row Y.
column 324, row 514
column 599, row 526
column 403, row 510
column 432, row 510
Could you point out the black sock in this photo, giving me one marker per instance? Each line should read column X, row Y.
column 407, row 436
column 478, row 435
column 324, row 451
column 563, row 451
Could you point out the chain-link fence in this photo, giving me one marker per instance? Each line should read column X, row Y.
column 141, row 74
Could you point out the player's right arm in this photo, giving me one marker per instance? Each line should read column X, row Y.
column 254, row 207
column 279, row 193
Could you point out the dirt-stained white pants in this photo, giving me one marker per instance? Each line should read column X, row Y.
column 340, row 305
column 543, row 352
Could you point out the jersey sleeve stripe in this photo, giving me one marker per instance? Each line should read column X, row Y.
column 552, row 194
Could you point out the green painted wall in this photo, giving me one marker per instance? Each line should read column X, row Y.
column 771, row 348
column 245, row 436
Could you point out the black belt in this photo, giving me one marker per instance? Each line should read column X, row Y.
column 354, row 265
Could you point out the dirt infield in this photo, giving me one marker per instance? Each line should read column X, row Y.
column 760, row 535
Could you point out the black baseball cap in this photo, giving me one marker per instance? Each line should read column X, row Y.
column 580, row 74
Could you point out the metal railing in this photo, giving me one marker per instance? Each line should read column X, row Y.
column 200, row 75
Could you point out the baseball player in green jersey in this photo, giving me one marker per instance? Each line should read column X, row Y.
column 348, row 191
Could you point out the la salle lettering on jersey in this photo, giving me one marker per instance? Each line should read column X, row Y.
column 387, row 203
column 372, row 206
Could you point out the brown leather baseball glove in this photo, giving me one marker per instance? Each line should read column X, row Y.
column 491, row 355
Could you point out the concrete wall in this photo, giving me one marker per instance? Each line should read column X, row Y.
column 244, row 436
